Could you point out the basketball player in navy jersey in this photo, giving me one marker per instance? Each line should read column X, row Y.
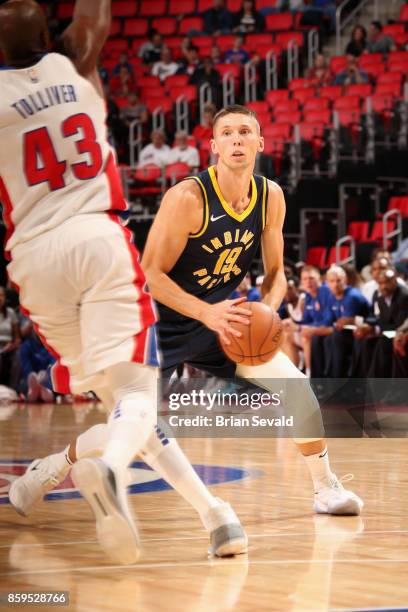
column 199, row 248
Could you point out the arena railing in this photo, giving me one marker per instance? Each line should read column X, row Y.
column 342, row 23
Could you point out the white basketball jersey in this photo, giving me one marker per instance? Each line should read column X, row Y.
column 55, row 160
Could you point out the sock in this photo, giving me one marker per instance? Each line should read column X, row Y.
column 319, row 469
column 61, row 461
column 165, row 456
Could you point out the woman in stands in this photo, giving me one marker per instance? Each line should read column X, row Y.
column 358, row 41
column 248, row 19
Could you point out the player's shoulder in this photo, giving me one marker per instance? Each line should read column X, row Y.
column 185, row 197
column 274, row 189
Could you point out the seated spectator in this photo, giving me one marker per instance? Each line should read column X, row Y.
column 237, row 55
column 375, row 254
column 206, row 73
column 157, row 152
column 123, row 61
column 151, row 50
column 369, row 288
column 331, row 355
column 218, row 19
column 204, row 131
column 248, row 19
column 122, row 84
column 246, row 290
column 320, row 74
column 35, row 362
column 352, row 74
column 353, row 278
column 308, row 315
column 373, row 352
column 183, row 152
column 165, row 67
column 358, row 41
column 135, row 110
column 216, row 55
column 190, row 62
column 9, row 340
column 378, row 42
column 400, row 357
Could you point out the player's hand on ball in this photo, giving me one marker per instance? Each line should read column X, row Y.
column 218, row 317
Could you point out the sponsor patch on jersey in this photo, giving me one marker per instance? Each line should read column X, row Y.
column 142, row 478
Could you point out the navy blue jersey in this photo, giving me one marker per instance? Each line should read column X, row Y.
column 217, row 258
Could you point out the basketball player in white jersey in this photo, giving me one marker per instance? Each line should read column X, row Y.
column 78, row 273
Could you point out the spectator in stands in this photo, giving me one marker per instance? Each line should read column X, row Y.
column 400, row 357
column 320, row 74
column 375, row 254
column 373, row 352
column 378, row 266
column 183, row 152
column 358, row 41
column 218, row 19
column 203, row 131
column 9, row 340
column 151, row 50
column 377, row 41
column 246, row 290
column 123, row 61
column 118, row 135
column 35, row 362
column 157, row 152
column 190, row 62
column 122, row 84
column 329, row 355
column 352, row 275
column 237, row 55
column 206, row 73
column 165, row 67
column 248, row 19
column 352, row 74
column 216, row 55
column 135, row 110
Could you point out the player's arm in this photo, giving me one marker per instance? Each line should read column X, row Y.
column 180, row 214
column 275, row 284
column 83, row 39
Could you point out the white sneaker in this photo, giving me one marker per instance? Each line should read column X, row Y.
column 41, row 476
column 115, row 528
column 227, row 535
column 333, row 498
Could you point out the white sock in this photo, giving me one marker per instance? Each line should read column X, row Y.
column 319, row 468
column 61, row 461
column 165, row 456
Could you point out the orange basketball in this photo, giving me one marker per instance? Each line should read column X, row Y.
column 260, row 340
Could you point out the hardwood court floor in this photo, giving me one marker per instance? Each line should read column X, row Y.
column 296, row 562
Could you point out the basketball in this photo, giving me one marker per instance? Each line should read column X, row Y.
column 260, row 340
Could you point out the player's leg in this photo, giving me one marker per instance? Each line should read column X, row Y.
column 300, row 400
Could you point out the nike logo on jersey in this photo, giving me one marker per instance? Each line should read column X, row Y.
column 212, row 218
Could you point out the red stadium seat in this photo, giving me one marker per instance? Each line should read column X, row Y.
column 348, row 118
column 65, row 11
column 286, row 106
column 202, row 41
column 225, row 41
column 276, row 95
column 403, row 16
column 264, row 118
column 349, row 103
column 392, row 89
column 254, row 41
column 374, row 70
column 358, row 230
column 344, row 252
column 150, row 175
column 149, row 81
column 164, row 103
column 234, row 5
column 400, row 56
column 136, row 27
column 177, row 80
column 165, row 25
column 382, row 102
column 318, row 116
column 148, row 8
column 377, row 231
column 390, row 77
column 124, row 8
column 177, row 171
column 181, row 7
column 121, row 101
column 116, row 28
column 284, row 38
column 109, row 65
column 302, row 95
column 316, row 256
column 292, row 117
column 279, row 22
column 298, row 84
column 338, row 63
column 258, row 107
column 188, row 91
column 316, row 104
column 115, row 47
column 264, row 4
column 399, row 203
column 235, row 69
column 359, row 89
column 397, row 66
column 401, row 40
column 370, row 58
column 174, row 43
column 190, row 23
column 310, row 131
column 204, row 5
column 152, row 92
column 278, row 132
column 393, row 29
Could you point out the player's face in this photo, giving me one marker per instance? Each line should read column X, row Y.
column 336, row 283
column 310, row 281
column 237, row 141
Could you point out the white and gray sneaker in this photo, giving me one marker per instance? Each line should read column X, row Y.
column 41, row 477
column 227, row 535
column 115, row 527
column 333, row 498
